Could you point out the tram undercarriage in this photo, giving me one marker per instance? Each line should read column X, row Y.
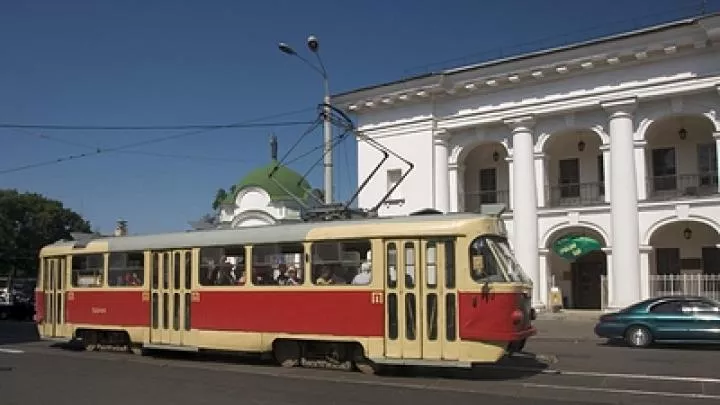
column 346, row 356
column 334, row 355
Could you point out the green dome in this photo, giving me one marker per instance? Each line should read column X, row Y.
column 290, row 180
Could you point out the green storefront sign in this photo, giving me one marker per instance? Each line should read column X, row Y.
column 573, row 247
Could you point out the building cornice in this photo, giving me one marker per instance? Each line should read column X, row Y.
column 678, row 86
column 548, row 65
column 399, row 128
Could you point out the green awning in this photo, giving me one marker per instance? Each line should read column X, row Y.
column 573, row 247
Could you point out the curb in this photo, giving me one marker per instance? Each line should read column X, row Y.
column 566, row 318
column 566, row 339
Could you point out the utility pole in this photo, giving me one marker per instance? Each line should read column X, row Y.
column 313, row 45
column 328, row 149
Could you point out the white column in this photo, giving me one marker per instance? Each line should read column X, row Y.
column 625, row 285
column 524, row 197
column 645, row 272
column 608, row 278
column 640, row 170
column 454, row 187
column 442, row 191
column 716, row 136
column 540, row 178
column 461, row 187
column 544, row 279
column 511, row 172
column 606, row 171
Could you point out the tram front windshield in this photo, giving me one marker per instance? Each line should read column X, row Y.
column 491, row 260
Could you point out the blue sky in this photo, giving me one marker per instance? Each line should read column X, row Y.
column 135, row 62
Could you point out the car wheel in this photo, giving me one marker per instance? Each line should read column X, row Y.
column 638, row 336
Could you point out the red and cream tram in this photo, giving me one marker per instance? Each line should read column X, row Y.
column 415, row 290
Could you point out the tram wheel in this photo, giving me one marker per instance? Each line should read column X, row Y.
column 89, row 340
column 287, row 353
column 137, row 350
column 363, row 364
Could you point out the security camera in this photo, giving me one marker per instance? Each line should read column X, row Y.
column 312, row 43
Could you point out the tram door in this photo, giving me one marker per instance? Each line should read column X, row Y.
column 420, row 300
column 54, row 289
column 170, row 295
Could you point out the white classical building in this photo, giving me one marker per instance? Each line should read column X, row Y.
column 616, row 139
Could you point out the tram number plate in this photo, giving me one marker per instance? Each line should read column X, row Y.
column 376, row 297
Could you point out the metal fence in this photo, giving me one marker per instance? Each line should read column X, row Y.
column 576, row 194
column 702, row 285
column 473, row 200
column 682, row 186
column 705, row 285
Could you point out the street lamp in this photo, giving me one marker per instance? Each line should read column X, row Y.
column 313, row 45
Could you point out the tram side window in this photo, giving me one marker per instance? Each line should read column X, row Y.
column 450, row 263
column 126, row 269
column 341, row 263
column 222, row 266
column 431, row 264
column 278, row 264
column 88, row 270
column 483, row 263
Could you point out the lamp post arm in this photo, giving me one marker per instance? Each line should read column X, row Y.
column 315, row 68
column 322, row 66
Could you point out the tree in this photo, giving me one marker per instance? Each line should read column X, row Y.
column 29, row 221
column 220, row 196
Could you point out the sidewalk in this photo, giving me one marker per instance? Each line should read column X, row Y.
column 571, row 326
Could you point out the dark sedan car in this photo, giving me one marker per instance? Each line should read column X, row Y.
column 677, row 319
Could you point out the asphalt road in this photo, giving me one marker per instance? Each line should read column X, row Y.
column 557, row 372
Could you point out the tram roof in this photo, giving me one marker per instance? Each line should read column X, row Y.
column 280, row 233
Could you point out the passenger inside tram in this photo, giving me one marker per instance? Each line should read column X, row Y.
column 222, row 266
column 364, row 276
column 326, row 276
column 290, row 277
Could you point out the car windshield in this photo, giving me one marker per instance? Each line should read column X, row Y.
column 512, row 267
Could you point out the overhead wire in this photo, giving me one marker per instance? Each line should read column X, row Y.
column 243, row 124
column 343, row 123
column 133, row 152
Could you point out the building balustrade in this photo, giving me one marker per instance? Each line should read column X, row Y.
column 473, row 200
column 682, row 186
column 659, row 188
column 576, row 194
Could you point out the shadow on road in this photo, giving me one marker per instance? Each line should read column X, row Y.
column 14, row 332
column 518, row 366
column 661, row 346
